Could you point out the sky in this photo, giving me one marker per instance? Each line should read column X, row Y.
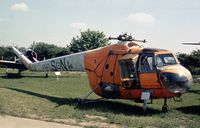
column 163, row 23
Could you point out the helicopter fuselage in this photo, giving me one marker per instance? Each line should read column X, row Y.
column 124, row 71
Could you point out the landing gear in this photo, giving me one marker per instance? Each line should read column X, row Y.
column 47, row 75
column 19, row 72
column 83, row 100
column 6, row 70
column 78, row 101
column 145, row 97
column 165, row 107
column 144, row 106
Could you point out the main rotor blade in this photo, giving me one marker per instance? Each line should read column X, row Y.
column 191, row 43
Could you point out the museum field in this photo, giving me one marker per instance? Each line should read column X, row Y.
column 31, row 95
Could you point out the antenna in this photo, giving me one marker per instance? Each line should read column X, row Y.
column 126, row 37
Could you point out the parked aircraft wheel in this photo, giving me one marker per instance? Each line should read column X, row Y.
column 165, row 108
column 46, row 75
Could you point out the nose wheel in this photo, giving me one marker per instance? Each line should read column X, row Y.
column 165, row 107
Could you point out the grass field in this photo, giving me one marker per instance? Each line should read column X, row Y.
column 34, row 96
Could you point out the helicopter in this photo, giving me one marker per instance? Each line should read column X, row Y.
column 123, row 70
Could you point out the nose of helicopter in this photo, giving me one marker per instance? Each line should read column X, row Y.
column 178, row 82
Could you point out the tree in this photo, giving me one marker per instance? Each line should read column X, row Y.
column 183, row 58
column 62, row 52
column 88, row 40
column 6, row 53
column 191, row 61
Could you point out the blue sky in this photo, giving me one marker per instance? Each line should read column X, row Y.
column 163, row 23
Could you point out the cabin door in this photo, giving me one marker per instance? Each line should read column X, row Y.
column 147, row 71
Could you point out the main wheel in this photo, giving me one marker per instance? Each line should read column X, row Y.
column 165, row 108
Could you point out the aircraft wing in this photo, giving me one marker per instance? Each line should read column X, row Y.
column 12, row 64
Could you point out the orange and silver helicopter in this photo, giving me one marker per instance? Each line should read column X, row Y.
column 123, row 70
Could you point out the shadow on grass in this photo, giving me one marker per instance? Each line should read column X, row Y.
column 18, row 76
column 11, row 76
column 58, row 100
column 195, row 110
column 118, row 108
column 101, row 105
column 194, row 91
column 28, row 75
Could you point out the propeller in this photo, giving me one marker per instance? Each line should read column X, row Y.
column 34, row 54
column 33, row 46
column 31, row 54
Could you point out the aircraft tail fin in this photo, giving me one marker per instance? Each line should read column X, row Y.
column 23, row 58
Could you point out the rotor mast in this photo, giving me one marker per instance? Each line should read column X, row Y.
column 125, row 37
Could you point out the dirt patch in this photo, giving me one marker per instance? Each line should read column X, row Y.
column 96, row 117
column 15, row 122
column 95, row 121
column 98, row 121
column 65, row 121
column 98, row 124
column 32, row 116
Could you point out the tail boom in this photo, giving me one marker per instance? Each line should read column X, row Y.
column 73, row 62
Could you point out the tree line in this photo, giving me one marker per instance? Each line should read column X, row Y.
column 191, row 61
column 90, row 40
column 86, row 41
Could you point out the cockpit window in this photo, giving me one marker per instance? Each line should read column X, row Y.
column 127, row 69
column 165, row 60
column 146, row 63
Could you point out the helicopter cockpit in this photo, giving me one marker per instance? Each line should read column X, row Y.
column 150, row 70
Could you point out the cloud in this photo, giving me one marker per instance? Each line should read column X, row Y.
column 140, row 18
column 20, row 7
column 79, row 25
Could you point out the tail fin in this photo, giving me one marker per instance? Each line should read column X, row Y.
column 23, row 58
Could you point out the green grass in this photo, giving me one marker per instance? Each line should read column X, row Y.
column 34, row 96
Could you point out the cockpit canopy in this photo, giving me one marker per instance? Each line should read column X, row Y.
column 165, row 60
column 145, row 62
